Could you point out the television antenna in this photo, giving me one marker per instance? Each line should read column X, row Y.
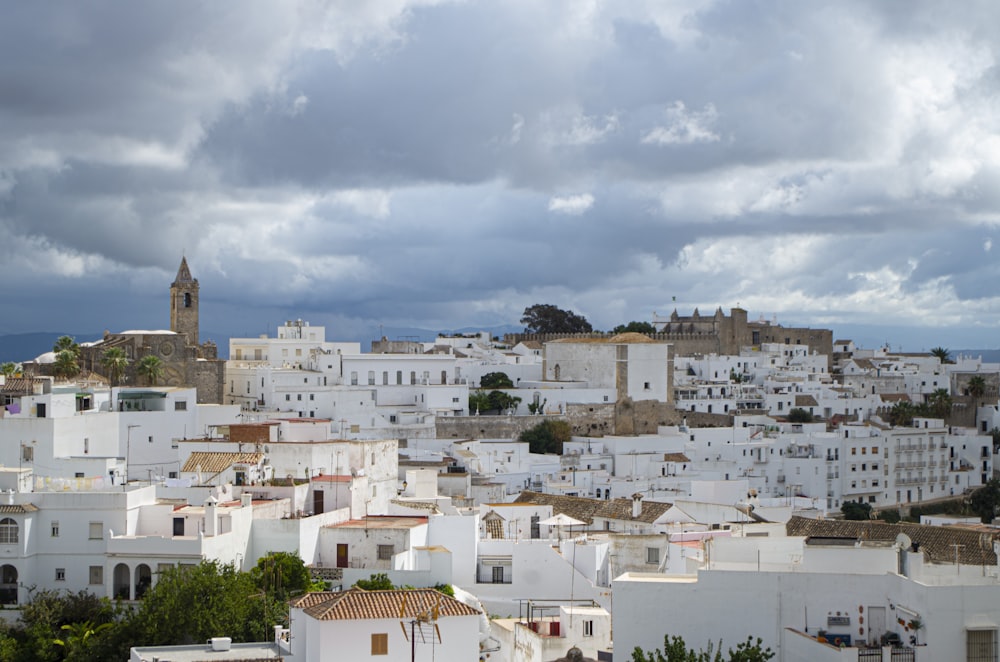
column 423, row 621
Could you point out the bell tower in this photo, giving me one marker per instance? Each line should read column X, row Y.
column 184, row 304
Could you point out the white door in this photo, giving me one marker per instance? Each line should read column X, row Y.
column 876, row 624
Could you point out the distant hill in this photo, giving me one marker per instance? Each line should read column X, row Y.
column 20, row 347
column 26, row 346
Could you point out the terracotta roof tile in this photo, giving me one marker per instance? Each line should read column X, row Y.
column 936, row 542
column 216, row 462
column 586, row 509
column 357, row 603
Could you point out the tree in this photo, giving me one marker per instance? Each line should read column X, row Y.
column 80, row 637
column 635, row 327
column 943, row 354
column 66, row 344
column 44, row 620
column 9, row 369
column 377, row 582
column 676, row 650
column 799, row 415
column 939, row 403
column 150, row 368
column 65, row 365
column 985, row 501
column 856, row 510
column 495, row 380
column 547, row 437
column 902, row 413
column 546, row 318
column 976, row 387
column 283, row 575
column 479, row 402
column 211, row 599
column 114, row 362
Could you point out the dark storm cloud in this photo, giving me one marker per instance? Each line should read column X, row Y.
column 448, row 164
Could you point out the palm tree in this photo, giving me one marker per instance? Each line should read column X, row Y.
column 114, row 362
column 976, row 386
column 66, row 344
column 66, row 365
column 150, row 367
column 9, row 369
column 939, row 402
column 80, row 637
column 943, row 354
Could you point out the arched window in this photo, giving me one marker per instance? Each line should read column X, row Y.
column 187, row 299
column 122, row 581
column 8, row 531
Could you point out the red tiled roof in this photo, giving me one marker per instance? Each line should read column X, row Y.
column 357, row 603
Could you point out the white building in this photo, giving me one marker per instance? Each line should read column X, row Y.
column 850, row 581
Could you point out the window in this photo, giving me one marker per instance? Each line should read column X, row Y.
column 371, row 378
column 980, row 645
column 652, row 555
column 380, row 644
column 854, row 451
column 97, row 574
column 312, row 396
column 180, row 405
column 298, row 396
column 60, row 574
column 874, row 450
column 96, row 531
column 588, row 628
column 498, row 574
column 28, row 453
column 55, row 528
column 354, row 378
column 385, row 552
column 8, row 531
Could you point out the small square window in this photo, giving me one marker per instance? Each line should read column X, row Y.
column 55, row 528
column 380, row 644
column 96, row 531
column 180, row 405
column 96, row 574
column 652, row 555
column 60, row 574
column 588, row 628
column 385, row 552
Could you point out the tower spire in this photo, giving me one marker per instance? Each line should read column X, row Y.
column 183, row 273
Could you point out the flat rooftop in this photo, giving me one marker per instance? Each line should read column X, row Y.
column 204, row 653
column 381, row 522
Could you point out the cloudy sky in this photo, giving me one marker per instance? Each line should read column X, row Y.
column 445, row 164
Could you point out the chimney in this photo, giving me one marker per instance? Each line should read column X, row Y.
column 211, row 517
column 246, row 499
column 636, row 505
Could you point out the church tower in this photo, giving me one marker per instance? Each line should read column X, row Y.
column 184, row 304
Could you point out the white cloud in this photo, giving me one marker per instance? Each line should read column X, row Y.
column 684, row 128
column 573, row 205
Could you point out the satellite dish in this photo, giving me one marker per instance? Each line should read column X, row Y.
column 903, row 541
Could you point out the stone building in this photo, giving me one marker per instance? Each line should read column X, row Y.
column 186, row 360
column 716, row 334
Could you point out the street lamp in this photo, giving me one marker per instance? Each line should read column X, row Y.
column 128, row 448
